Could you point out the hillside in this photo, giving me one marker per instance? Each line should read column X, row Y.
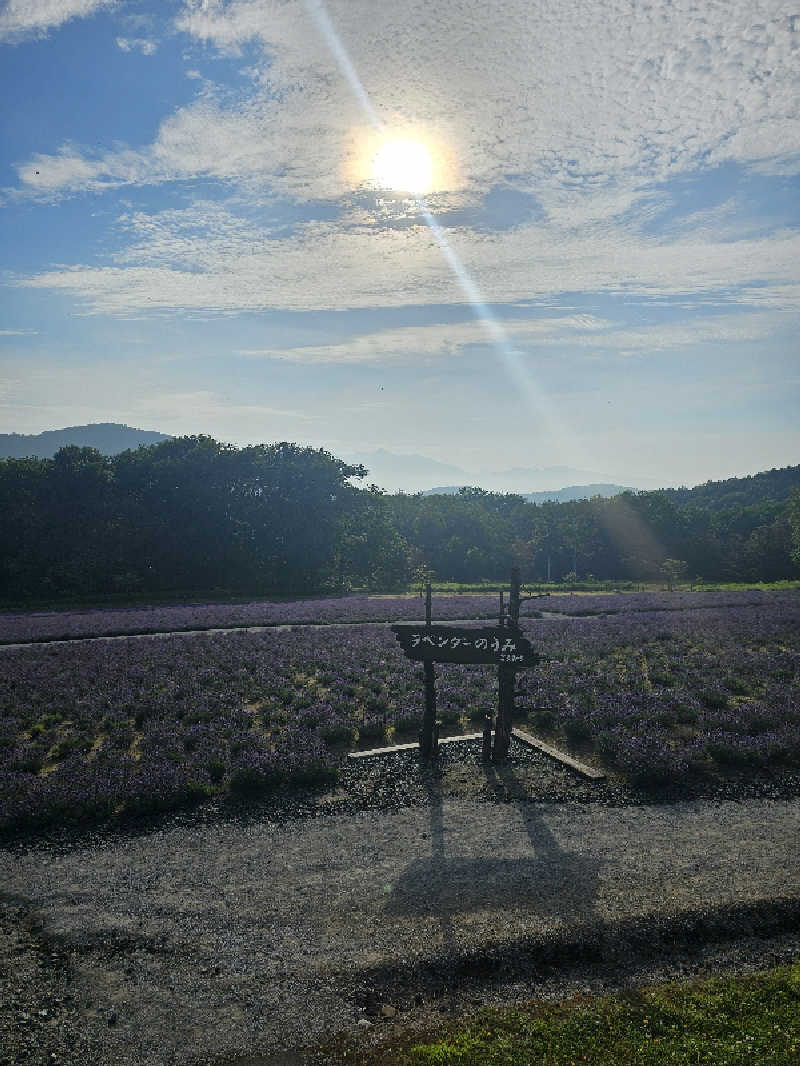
column 565, row 495
column 775, row 484
column 110, row 438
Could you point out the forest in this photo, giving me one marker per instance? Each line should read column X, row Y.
column 191, row 515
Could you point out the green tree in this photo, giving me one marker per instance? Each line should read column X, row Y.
column 673, row 570
column 794, row 524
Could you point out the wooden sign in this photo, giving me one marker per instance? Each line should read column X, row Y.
column 458, row 644
column 502, row 646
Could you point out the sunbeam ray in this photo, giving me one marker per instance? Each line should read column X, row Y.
column 497, row 336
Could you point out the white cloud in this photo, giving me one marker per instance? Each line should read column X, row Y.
column 206, row 258
column 24, row 18
column 202, row 405
column 145, row 45
column 533, row 337
column 416, row 343
column 580, row 91
column 729, row 328
column 785, row 298
column 585, row 103
column 17, row 332
column 201, row 140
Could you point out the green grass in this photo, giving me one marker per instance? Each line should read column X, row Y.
column 729, row 1021
column 599, row 586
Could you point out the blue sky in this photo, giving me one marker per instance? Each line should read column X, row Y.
column 603, row 272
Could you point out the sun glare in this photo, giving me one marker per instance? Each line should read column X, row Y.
column 404, row 166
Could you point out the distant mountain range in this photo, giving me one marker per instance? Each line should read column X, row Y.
column 110, row 438
column 418, row 473
column 570, row 492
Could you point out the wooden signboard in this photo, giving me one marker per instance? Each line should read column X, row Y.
column 458, row 644
column 502, row 646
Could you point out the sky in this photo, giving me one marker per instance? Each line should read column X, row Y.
column 530, row 233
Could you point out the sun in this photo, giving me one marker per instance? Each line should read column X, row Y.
column 404, row 166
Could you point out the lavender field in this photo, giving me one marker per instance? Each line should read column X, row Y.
column 658, row 689
column 23, row 626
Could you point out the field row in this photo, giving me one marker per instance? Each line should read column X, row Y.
column 21, row 626
column 96, row 729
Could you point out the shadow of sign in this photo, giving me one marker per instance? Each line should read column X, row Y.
column 442, row 885
column 549, row 881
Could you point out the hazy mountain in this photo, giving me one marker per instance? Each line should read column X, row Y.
column 538, row 479
column 563, row 495
column 418, row 473
column 578, row 492
column 524, row 479
column 736, row 492
column 406, row 473
column 110, row 438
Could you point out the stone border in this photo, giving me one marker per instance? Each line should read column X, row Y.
column 408, row 747
column 520, row 734
column 554, row 753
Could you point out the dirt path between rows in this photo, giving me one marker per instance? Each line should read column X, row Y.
column 277, row 627
column 193, row 943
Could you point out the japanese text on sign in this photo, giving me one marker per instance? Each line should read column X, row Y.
column 457, row 645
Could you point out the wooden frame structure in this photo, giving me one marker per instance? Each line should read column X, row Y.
column 502, row 645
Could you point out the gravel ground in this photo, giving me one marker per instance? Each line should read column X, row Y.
column 227, row 937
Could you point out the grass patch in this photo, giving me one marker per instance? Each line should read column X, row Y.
column 730, row 1021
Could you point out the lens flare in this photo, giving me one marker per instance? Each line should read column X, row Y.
column 528, row 389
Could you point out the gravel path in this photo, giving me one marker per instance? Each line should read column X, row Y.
column 195, row 943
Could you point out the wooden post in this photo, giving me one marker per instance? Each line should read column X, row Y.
column 506, row 679
column 427, row 739
column 486, row 753
column 513, row 604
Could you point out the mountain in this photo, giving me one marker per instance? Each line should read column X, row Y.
column 406, row 473
column 578, row 492
column 769, row 485
column 418, row 473
column 110, row 438
column 564, row 495
column 524, row 479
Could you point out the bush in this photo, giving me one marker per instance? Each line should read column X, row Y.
column 715, row 699
column 407, row 722
column 372, row 728
column 338, row 733
column 248, row 781
column 578, row 731
column 477, row 712
column 649, row 761
column 216, row 770
column 543, row 718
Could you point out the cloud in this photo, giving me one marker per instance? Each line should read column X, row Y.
column 416, row 343
column 577, row 94
column 584, row 105
column 25, row 18
column 17, row 332
column 535, row 338
column 200, row 140
column 207, row 258
column 145, row 45
column 785, row 298
column 202, row 405
column 728, row 328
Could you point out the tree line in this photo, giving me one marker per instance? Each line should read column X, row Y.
column 191, row 514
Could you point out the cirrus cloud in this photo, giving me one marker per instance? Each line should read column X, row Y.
column 24, row 18
column 583, row 104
